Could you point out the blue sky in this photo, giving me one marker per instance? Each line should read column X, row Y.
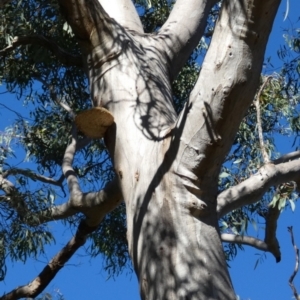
column 84, row 277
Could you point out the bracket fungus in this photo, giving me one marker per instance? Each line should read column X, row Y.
column 94, row 122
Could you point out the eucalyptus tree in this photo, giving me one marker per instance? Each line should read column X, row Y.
column 167, row 159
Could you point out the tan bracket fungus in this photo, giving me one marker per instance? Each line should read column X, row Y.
column 94, row 122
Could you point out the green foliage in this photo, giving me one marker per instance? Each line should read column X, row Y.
column 20, row 68
column 154, row 13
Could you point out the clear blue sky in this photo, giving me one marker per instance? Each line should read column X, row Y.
column 84, row 278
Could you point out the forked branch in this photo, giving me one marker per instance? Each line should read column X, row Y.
column 270, row 243
column 252, row 189
column 94, row 205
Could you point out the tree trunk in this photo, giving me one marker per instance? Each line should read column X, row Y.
column 168, row 166
column 172, row 225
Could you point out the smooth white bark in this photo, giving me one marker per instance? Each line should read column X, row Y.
column 252, row 189
column 124, row 12
column 245, row 240
column 226, row 85
column 183, row 30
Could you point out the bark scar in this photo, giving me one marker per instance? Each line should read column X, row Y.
column 120, row 174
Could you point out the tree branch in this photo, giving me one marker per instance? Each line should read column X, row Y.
column 93, row 205
column 101, row 38
column 64, row 57
column 225, row 88
column 124, row 12
column 296, row 295
column 270, row 231
column 183, row 30
column 252, row 189
column 259, row 125
column 30, row 174
column 67, row 168
column 36, row 286
column 270, row 243
column 249, row 241
column 287, row 157
column 91, row 24
column 245, row 240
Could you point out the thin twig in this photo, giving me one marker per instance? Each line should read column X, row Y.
column 30, row 174
column 259, row 123
column 13, row 197
column 65, row 106
column 55, row 98
column 291, row 284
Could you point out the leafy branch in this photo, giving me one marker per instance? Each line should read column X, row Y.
column 93, row 205
column 64, row 57
column 252, row 189
column 32, row 175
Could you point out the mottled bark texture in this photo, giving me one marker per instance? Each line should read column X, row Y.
column 168, row 165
